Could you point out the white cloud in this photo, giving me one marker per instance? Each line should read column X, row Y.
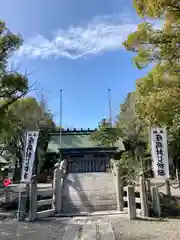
column 103, row 33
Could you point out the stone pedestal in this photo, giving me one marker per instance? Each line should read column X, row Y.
column 156, row 201
column 8, row 195
column 119, row 191
column 33, row 200
column 131, row 202
column 58, row 174
column 21, row 215
column 168, row 190
column 143, row 198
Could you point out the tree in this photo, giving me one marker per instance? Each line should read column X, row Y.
column 159, row 98
column 128, row 109
column 106, row 134
column 26, row 114
column 129, row 123
column 158, row 92
column 157, row 46
column 13, row 85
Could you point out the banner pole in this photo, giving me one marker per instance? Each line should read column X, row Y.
column 19, row 197
column 60, row 127
column 31, row 139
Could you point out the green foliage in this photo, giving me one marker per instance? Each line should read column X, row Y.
column 157, row 46
column 9, row 43
column 13, row 85
column 131, row 127
column 174, row 139
column 106, row 134
column 158, row 93
column 157, row 8
column 128, row 128
column 159, row 97
column 25, row 114
column 156, row 99
column 129, row 166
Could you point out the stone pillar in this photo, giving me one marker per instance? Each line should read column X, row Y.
column 168, row 189
column 58, row 174
column 33, row 200
column 119, row 191
column 131, row 202
column 8, row 195
column 177, row 177
column 21, row 214
column 143, row 197
column 156, row 201
column 148, row 186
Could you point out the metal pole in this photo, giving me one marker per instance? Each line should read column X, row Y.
column 110, row 114
column 60, row 126
column 110, row 108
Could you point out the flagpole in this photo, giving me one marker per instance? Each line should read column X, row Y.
column 110, row 114
column 110, row 108
column 60, row 125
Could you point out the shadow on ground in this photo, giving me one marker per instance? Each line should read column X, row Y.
column 68, row 205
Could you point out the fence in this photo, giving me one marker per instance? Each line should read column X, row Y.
column 35, row 205
column 133, row 197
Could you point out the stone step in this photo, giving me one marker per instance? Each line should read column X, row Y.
column 89, row 187
column 88, row 202
column 92, row 174
column 90, row 178
column 88, row 192
column 83, row 181
column 92, row 196
column 68, row 208
column 102, row 194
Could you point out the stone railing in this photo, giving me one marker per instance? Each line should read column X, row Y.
column 145, row 190
column 55, row 201
column 55, row 192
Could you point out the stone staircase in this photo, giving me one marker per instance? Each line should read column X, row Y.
column 88, row 192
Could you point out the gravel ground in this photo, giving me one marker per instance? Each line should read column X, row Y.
column 49, row 229
column 125, row 229
column 86, row 228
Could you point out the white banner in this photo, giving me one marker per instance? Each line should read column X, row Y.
column 159, row 152
column 30, row 149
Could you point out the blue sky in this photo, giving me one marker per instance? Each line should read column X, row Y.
column 75, row 45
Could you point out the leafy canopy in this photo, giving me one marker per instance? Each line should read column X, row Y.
column 157, row 46
column 158, row 94
column 106, row 134
column 13, row 85
column 25, row 114
column 158, row 98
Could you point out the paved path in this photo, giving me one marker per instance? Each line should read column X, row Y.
column 78, row 228
column 91, row 228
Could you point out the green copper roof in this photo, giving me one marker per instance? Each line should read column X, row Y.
column 75, row 140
